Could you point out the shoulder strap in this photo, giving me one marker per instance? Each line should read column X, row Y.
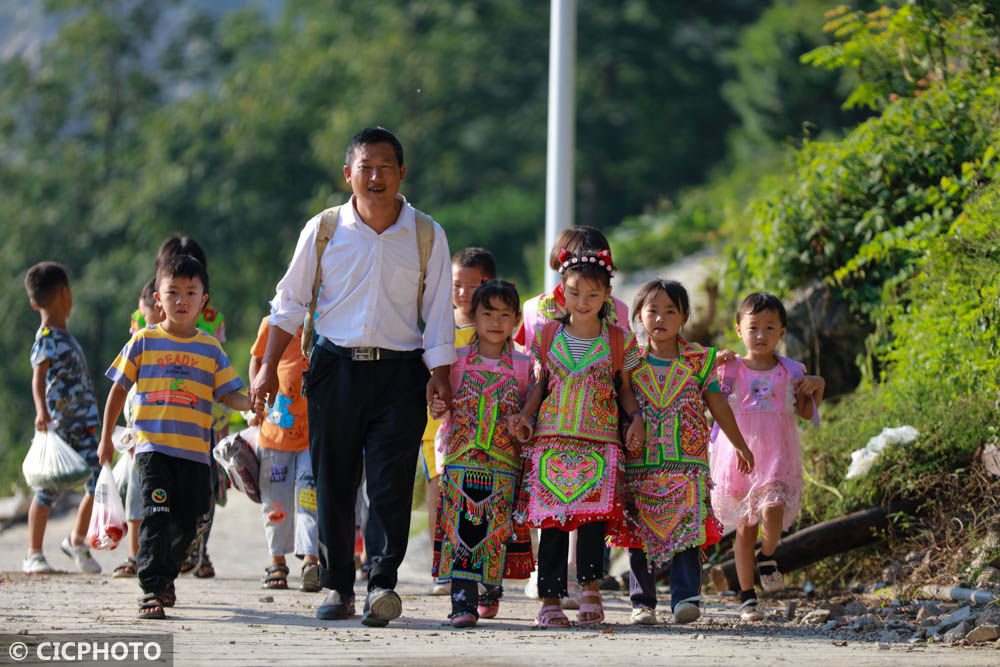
column 729, row 372
column 794, row 370
column 425, row 244
column 327, row 226
column 617, row 336
column 545, row 342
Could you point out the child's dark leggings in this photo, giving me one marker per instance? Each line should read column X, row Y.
column 553, row 551
column 685, row 578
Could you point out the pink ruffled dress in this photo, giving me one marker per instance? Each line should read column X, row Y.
column 764, row 405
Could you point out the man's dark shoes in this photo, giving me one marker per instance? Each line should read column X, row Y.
column 336, row 607
column 382, row 606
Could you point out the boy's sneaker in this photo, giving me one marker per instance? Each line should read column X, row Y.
column 440, row 587
column 36, row 564
column 770, row 577
column 81, row 556
column 749, row 611
column 686, row 612
column 643, row 616
column 531, row 588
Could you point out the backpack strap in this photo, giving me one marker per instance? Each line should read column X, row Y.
column 617, row 336
column 328, row 221
column 726, row 384
column 425, row 244
column 545, row 342
column 794, row 370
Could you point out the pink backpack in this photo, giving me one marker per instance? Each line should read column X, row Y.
column 728, row 381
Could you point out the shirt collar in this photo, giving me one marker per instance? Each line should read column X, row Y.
column 405, row 221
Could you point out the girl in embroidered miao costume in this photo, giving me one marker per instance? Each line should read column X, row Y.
column 766, row 392
column 574, row 461
column 666, row 482
column 550, row 306
column 482, row 459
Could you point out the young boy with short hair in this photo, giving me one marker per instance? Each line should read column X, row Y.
column 179, row 371
column 470, row 268
column 64, row 401
column 151, row 314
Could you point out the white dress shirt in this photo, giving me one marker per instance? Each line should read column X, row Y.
column 369, row 287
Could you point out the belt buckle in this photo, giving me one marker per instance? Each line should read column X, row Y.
column 364, row 354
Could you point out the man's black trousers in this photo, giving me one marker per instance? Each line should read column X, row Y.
column 376, row 410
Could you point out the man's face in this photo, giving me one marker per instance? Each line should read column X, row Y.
column 182, row 300
column 374, row 173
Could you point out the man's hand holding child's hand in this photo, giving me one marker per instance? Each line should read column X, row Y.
column 438, row 408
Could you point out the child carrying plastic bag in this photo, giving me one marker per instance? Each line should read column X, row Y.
column 107, row 521
column 52, row 464
column 235, row 453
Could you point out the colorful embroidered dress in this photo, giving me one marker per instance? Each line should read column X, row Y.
column 667, row 483
column 574, row 461
column 552, row 305
column 482, row 466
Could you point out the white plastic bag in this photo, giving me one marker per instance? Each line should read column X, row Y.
column 237, row 456
column 123, row 438
column 862, row 460
column 121, row 472
column 107, row 520
column 52, row 464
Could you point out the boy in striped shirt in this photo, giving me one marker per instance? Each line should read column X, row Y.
column 178, row 372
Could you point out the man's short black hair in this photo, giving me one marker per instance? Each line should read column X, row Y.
column 43, row 282
column 476, row 258
column 374, row 135
column 758, row 302
column 182, row 266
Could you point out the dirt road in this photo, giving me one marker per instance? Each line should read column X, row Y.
column 227, row 620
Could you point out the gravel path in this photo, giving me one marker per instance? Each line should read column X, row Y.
column 229, row 620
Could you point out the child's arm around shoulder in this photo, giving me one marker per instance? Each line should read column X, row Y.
column 806, row 387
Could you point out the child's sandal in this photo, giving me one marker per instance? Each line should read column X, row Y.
column 127, row 569
column 151, row 607
column 551, row 616
column 169, row 596
column 275, row 577
column 465, row 619
column 590, row 603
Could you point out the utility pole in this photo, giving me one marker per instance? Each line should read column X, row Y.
column 561, row 126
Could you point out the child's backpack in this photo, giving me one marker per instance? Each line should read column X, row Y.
column 327, row 226
column 728, row 381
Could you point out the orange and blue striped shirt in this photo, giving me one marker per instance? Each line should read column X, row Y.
column 177, row 380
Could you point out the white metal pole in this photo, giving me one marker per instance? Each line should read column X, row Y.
column 561, row 128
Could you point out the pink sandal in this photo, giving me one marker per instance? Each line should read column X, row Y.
column 466, row 620
column 489, row 610
column 551, row 616
column 589, row 606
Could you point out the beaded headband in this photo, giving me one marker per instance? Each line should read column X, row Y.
column 568, row 258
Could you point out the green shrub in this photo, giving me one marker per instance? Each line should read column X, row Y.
column 942, row 374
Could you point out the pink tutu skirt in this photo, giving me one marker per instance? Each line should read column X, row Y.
column 776, row 480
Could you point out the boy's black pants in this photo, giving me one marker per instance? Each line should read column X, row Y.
column 175, row 492
column 373, row 411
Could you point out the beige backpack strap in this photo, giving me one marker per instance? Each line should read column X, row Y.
column 425, row 244
column 327, row 225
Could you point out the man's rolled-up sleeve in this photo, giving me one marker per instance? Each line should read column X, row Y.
column 294, row 290
column 438, row 316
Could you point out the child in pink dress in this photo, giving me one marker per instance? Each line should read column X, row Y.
column 767, row 391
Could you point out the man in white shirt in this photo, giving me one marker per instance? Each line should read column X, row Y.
column 368, row 383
